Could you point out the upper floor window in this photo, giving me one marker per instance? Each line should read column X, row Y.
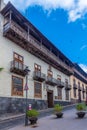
column 66, row 81
column 59, row 78
column 50, row 73
column 18, row 57
column 37, row 67
column 18, row 60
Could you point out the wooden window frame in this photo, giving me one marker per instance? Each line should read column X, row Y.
column 37, row 67
column 67, row 97
column 12, row 86
column 83, row 92
column 39, row 95
column 18, row 60
column 59, row 78
column 49, row 73
column 66, row 81
column 59, row 95
column 74, row 92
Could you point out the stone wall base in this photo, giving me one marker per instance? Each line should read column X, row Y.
column 18, row 105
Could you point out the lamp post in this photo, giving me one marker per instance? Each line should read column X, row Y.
column 26, row 89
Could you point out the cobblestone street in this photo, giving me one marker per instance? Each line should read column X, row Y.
column 68, row 122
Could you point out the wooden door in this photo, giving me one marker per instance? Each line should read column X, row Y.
column 50, row 99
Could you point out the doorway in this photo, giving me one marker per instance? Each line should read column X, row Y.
column 50, row 99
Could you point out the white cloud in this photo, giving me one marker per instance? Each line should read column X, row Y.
column 84, row 67
column 83, row 47
column 76, row 8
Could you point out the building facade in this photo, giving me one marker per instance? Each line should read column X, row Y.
column 21, row 46
column 79, row 85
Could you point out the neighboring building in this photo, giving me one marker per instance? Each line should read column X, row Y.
column 79, row 85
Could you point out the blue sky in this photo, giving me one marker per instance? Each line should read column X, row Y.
column 63, row 22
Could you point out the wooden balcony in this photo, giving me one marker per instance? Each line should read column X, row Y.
column 60, row 84
column 37, row 75
column 67, row 86
column 18, row 68
column 75, row 86
column 51, row 81
column 18, row 35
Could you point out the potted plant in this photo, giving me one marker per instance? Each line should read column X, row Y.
column 58, row 110
column 1, row 69
column 32, row 116
column 80, row 107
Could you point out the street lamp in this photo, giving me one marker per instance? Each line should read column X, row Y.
column 26, row 89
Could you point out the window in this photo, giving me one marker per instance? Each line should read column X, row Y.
column 50, row 73
column 83, row 91
column 67, row 94
column 79, row 92
column 17, row 86
column 37, row 89
column 66, row 82
column 18, row 61
column 66, row 91
column 74, row 90
column 37, row 67
column 59, row 93
column 59, row 78
column 78, row 85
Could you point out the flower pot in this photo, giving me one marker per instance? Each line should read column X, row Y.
column 59, row 115
column 33, row 120
column 80, row 114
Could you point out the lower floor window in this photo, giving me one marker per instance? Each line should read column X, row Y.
column 83, row 95
column 59, row 93
column 74, row 92
column 17, row 86
column 67, row 94
column 37, row 89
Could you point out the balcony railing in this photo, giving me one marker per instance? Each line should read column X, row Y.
column 67, row 86
column 60, row 84
column 37, row 75
column 51, row 81
column 75, row 86
column 18, row 68
column 28, row 38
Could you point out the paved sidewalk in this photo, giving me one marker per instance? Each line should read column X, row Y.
column 68, row 122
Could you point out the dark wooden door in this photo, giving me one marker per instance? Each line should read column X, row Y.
column 50, row 99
